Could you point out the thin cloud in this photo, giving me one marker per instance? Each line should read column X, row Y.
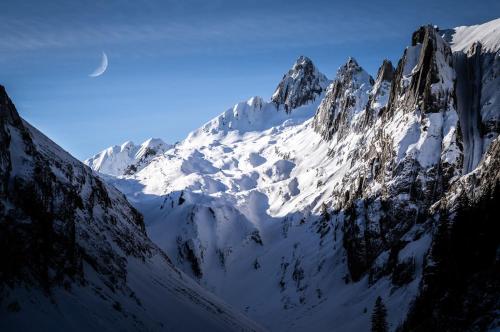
column 255, row 32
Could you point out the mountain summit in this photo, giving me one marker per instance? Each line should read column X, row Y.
column 302, row 84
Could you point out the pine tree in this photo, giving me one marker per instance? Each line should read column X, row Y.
column 324, row 222
column 379, row 315
column 324, row 211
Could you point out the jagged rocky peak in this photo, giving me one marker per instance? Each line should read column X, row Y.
column 351, row 66
column 385, row 72
column 379, row 96
column 413, row 153
column 302, row 84
column 425, row 77
column 345, row 99
column 423, row 90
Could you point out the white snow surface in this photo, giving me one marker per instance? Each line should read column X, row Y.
column 116, row 160
column 488, row 34
column 222, row 188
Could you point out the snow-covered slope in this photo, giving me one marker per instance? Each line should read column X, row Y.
column 74, row 254
column 127, row 158
column 303, row 210
column 488, row 34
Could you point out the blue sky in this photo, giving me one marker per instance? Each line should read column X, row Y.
column 173, row 65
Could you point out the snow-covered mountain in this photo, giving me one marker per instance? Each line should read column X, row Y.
column 302, row 210
column 127, row 158
column 74, row 254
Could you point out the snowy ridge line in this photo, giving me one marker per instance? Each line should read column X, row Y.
column 462, row 38
column 127, row 158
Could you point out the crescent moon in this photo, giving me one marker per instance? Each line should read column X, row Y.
column 102, row 67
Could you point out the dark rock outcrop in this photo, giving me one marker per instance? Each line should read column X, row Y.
column 48, row 204
column 385, row 72
column 379, row 95
column 419, row 73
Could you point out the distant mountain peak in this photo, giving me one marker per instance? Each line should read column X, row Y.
column 351, row 65
column 127, row 158
column 386, row 71
column 346, row 96
column 379, row 95
column 302, row 84
column 352, row 62
column 302, row 60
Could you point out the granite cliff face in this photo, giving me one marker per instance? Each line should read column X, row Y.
column 405, row 152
